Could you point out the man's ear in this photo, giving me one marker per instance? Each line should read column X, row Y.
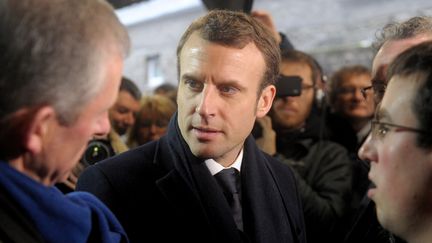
column 265, row 101
column 38, row 129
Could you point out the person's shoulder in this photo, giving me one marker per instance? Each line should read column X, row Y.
column 15, row 226
column 328, row 146
column 132, row 164
column 127, row 172
column 279, row 168
column 136, row 157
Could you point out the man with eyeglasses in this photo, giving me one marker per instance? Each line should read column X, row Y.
column 293, row 133
column 400, row 148
column 349, row 112
column 394, row 39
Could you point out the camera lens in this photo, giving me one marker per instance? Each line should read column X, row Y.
column 97, row 150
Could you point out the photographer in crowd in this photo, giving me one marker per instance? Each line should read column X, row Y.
column 293, row 133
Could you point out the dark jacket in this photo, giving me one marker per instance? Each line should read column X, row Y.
column 324, row 179
column 161, row 191
column 15, row 226
column 323, row 171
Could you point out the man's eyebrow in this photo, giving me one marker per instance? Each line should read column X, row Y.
column 382, row 113
column 191, row 76
column 232, row 82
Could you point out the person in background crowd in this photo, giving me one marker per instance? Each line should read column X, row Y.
column 400, row 147
column 123, row 113
column 350, row 113
column 206, row 180
column 152, row 120
column 167, row 90
column 61, row 67
column 393, row 40
column 293, row 134
column 348, row 119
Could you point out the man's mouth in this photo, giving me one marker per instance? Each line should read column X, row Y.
column 205, row 133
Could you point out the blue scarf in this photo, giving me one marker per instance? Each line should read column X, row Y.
column 58, row 217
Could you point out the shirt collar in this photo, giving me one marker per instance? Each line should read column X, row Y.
column 215, row 167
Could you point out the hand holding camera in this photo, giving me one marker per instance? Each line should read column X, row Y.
column 267, row 142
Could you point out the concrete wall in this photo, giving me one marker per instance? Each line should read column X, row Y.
column 336, row 32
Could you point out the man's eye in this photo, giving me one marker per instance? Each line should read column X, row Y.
column 194, row 85
column 122, row 110
column 228, row 89
column 382, row 130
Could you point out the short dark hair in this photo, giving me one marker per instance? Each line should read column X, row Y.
column 236, row 29
column 415, row 65
column 130, row 87
column 297, row 56
column 168, row 90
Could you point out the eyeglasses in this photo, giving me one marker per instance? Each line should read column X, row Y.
column 380, row 129
column 377, row 89
column 352, row 90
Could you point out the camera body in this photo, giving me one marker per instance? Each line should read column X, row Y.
column 288, row 86
column 97, row 150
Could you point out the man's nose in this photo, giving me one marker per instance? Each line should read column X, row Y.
column 207, row 102
column 358, row 95
column 130, row 119
column 103, row 126
column 367, row 151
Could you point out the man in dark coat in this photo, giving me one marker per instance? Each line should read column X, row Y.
column 166, row 191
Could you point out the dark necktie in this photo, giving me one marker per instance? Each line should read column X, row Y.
column 229, row 180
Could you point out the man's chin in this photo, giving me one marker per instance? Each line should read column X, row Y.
column 202, row 152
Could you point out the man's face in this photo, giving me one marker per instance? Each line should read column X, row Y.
column 64, row 145
column 217, row 97
column 122, row 114
column 386, row 54
column 350, row 101
column 400, row 171
column 292, row 112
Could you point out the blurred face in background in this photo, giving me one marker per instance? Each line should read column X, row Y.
column 349, row 99
column 291, row 112
column 122, row 113
column 151, row 127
